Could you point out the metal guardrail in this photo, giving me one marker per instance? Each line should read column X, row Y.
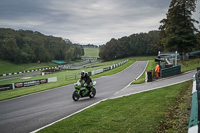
column 107, row 68
column 77, row 66
column 77, row 75
column 193, row 126
column 70, row 66
column 28, row 71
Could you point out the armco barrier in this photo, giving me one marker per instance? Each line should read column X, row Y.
column 6, row 87
column 28, row 71
column 194, row 115
column 26, row 83
column 170, row 71
column 107, row 68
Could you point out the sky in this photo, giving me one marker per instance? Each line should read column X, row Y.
column 85, row 21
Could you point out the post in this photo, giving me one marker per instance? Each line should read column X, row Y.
column 146, row 78
column 176, row 58
column 13, row 85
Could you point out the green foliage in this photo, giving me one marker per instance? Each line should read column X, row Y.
column 139, row 113
column 198, row 41
column 178, row 30
column 142, row 44
column 90, row 46
column 28, row 46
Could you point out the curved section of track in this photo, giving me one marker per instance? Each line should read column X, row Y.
column 28, row 113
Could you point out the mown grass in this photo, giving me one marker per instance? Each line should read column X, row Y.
column 8, row 67
column 139, row 113
column 189, row 65
column 91, row 52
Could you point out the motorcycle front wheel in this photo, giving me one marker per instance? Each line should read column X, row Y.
column 92, row 93
column 75, row 96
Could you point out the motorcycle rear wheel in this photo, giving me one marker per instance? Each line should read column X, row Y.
column 75, row 96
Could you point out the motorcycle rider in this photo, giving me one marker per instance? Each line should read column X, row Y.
column 87, row 79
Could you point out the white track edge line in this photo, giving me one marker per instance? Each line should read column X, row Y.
column 68, row 115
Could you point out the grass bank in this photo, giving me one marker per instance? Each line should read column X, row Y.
column 189, row 65
column 139, row 113
column 8, row 67
column 91, row 52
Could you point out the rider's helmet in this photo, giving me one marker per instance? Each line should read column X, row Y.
column 83, row 73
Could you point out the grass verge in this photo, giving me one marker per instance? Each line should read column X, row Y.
column 91, row 52
column 189, row 65
column 8, row 67
column 139, row 113
column 177, row 118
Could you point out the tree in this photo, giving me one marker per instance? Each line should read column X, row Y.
column 123, row 47
column 198, row 41
column 26, row 46
column 69, row 54
column 135, row 45
column 10, row 50
column 178, row 30
column 108, row 51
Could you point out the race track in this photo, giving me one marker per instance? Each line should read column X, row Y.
column 28, row 113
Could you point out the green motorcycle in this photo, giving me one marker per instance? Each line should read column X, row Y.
column 81, row 91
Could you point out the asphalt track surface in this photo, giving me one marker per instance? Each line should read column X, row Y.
column 31, row 112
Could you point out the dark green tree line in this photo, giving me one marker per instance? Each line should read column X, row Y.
column 134, row 45
column 28, row 46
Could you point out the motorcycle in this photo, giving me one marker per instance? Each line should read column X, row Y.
column 81, row 91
